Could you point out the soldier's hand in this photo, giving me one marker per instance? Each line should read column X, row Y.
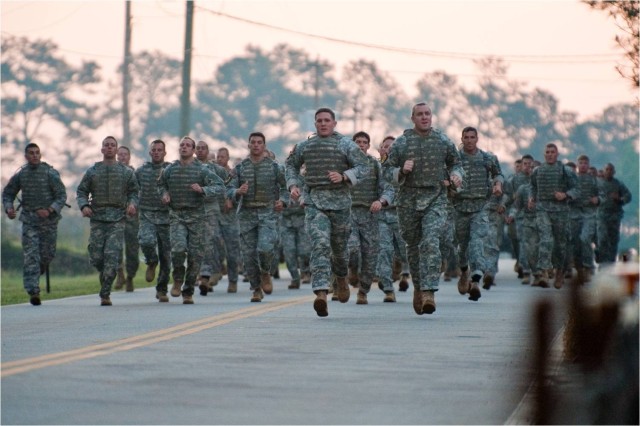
column 166, row 198
column 243, row 188
column 500, row 209
column 87, row 211
column 11, row 213
column 43, row 213
column 508, row 219
column 197, row 188
column 278, row 206
column 335, row 177
column 131, row 210
column 228, row 205
column 594, row 200
column 456, row 180
column 560, row 195
column 407, row 167
column 531, row 204
column 376, row 206
column 497, row 189
column 295, row 192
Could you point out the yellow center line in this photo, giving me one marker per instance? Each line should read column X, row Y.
column 11, row 368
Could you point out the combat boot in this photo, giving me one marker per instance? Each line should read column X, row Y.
column 150, row 275
column 474, row 290
column 176, row 289
column 559, row 280
column 526, row 279
column 35, row 300
column 389, row 297
column 362, row 298
column 215, row 279
column 129, row 286
column 544, row 279
column 187, row 299
column 536, row 280
column 305, row 278
column 487, row 281
column 119, row 280
column 353, row 278
column 428, row 302
column 162, row 297
column 295, row 284
column 417, row 301
column 396, row 269
column 463, row 282
column 105, row 301
column 447, row 276
column 257, row 295
column 342, row 289
column 203, row 284
column 233, row 287
column 320, row 304
column 403, row 285
column 265, row 282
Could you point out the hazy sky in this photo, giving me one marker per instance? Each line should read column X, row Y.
column 561, row 46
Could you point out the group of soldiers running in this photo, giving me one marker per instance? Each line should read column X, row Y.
column 340, row 215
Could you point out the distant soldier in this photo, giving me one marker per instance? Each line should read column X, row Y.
column 43, row 196
column 295, row 243
column 587, row 223
column 131, row 245
column 258, row 185
column 107, row 192
column 552, row 184
column 333, row 163
column 613, row 195
column 417, row 162
column 153, row 235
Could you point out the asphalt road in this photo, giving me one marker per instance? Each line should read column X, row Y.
column 225, row 360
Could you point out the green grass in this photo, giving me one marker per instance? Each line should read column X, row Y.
column 61, row 286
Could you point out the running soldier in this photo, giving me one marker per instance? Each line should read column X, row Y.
column 131, row 245
column 613, row 195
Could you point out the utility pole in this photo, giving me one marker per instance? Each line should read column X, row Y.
column 185, row 105
column 316, row 83
column 126, row 78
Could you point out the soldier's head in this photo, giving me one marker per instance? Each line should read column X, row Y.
column 187, row 147
column 593, row 171
column 202, row 151
column 609, row 171
column 109, row 148
column 32, row 154
column 363, row 141
column 257, row 144
column 527, row 164
column 421, row 117
column 583, row 164
column 385, row 146
column 469, row 139
column 550, row 153
column 517, row 165
column 270, row 154
column 157, row 151
column 123, row 155
column 223, row 157
column 325, row 121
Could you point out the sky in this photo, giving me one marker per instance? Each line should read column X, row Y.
column 561, row 46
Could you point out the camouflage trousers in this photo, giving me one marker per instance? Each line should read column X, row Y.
column 529, row 241
column 422, row 231
column 512, row 232
column 155, row 242
column 574, row 247
column 296, row 246
column 230, row 248
column 553, row 229
column 328, row 231
column 588, row 235
column 477, row 236
column 391, row 245
column 131, row 245
column 187, row 241
column 364, row 245
column 212, row 245
column 258, row 241
column 448, row 243
column 105, row 251
column 39, row 247
column 608, row 229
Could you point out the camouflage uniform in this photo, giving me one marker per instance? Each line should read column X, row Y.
column 327, row 204
column 528, row 228
column 422, row 199
column 511, row 186
column 230, row 235
column 41, row 189
column 154, row 223
column 610, row 215
column 551, row 214
column 212, row 234
column 391, row 244
column 257, row 219
column 585, row 234
column 295, row 241
column 107, row 189
column 365, row 224
column 186, row 215
column 131, row 245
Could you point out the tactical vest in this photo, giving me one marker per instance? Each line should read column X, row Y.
column 262, row 178
column 366, row 191
column 109, row 185
column 322, row 155
column 148, row 175
column 477, row 168
column 179, row 181
column 550, row 179
column 429, row 154
column 588, row 187
column 36, row 191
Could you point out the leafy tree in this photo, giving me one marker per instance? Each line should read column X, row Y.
column 43, row 94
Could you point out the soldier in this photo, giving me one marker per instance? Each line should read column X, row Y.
column 367, row 200
column 184, row 185
column 258, row 186
column 511, row 184
column 552, row 184
column 613, row 195
column 229, row 228
column 43, row 197
column 586, row 235
column 211, row 268
column 295, row 242
column 333, row 162
column 528, row 231
column 131, row 227
column 391, row 243
column 107, row 192
column 476, row 206
column 153, row 235
column 417, row 162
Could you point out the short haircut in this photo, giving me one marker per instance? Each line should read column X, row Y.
column 518, row 161
column 125, row 147
column 110, row 137
column 413, row 108
column 584, row 157
column 362, row 134
column 223, row 149
column 528, row 157
column 205, row 144
column 259, row 134
column 551, row 145
column 329, row 110
column 469, row 129
column 29, row 146
column 393, row 138
column 571, row 164
column 188, row 138
column 157, row 141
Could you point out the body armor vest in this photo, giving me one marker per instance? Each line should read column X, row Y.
column 550, row 179
column 477, row 169
column 262, row 178
column 322, row 155
column 588, row 187
column 109, row 186
column 366, row 191
column 36, row 192
column 179, row 182
column 148, row 176
column 428, row 154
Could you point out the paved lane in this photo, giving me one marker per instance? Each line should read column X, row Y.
column 227, row 361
